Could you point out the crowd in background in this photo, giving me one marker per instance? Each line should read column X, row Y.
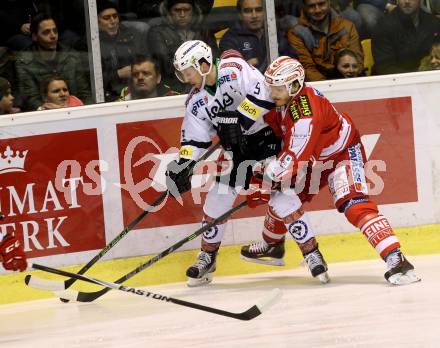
column 44, row 60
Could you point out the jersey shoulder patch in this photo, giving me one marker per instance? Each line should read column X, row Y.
column 300, row 107
column 232, row 63
column 317, row 92
column 191, row 94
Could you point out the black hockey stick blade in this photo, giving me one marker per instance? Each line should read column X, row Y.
column 51, row 285
column 92, row 296
column 249, row 314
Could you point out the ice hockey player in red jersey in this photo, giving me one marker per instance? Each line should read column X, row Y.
column 11, row 252
column 321, row 140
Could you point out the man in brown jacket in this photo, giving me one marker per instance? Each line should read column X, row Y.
column 320, row 33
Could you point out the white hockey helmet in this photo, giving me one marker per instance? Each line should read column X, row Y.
column 192, row 54
column 286, row 71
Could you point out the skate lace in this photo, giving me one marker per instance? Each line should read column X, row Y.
column 203, row 261
column 258, row 247
column 313, row 259
column 394, row 259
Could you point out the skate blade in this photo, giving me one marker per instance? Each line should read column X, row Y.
column 195, row 282
column 324, row 278
column 404, row 279
column 270, row 262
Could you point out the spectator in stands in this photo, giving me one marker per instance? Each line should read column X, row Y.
column 119, row 44
column 6, row 98
column 403, row 37
column 432, row 61
column 55, row 94
column 329, row 33
column 346, row 10
column 145, row 80
column 15, row 17
column 247, row 35
column 150, row 8
column 347, row 64
column 46, row 57
column 371, row 12
column 182, row 22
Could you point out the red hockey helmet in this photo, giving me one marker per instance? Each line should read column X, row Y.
column 286, row 71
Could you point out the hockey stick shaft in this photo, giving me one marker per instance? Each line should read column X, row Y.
column 249, row 314
column 68, row 283
column 91, row 296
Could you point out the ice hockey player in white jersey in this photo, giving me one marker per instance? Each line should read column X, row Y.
column 227, row 99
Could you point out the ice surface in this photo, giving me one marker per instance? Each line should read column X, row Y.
column 357, row 309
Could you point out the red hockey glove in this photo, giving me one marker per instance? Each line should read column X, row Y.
column 12, row 254
column 258, row 194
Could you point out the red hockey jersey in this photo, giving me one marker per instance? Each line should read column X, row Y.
column 311, row 128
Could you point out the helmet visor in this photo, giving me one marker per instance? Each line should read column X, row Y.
column 186, row 75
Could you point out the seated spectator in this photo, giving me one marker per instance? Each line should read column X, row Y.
column 15, row 17
column 327, row 33
column 6, row 98
column 432, row 61
column 145, row 81
column 403, row 37
column 346, row 10
column 150, row 8
column 55, row 94
column 119, row 44
column 247, row 35
column 46, row 57
column 347, row 64
column 371, row 12
column 182, row 22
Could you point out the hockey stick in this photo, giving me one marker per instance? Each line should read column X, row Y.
column 62, row 285
column 249, row 314
column 91, row 296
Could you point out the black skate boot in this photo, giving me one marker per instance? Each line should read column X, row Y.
column 200, row 273
column 317, row 265
column 400, row 271
column 264, row 252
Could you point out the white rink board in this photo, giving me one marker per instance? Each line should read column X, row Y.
column 422, row 87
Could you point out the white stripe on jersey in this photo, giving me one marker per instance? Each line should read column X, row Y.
column 338, row 145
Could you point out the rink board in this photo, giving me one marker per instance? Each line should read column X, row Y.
column 82, row 174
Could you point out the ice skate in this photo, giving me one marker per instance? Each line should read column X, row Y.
column 263, row 252
column 200, row 273
column 400, row 271
column 317, row 265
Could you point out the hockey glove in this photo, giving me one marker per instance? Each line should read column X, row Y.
column 12, row 254
column 258, row 192
column 178, row 179
column 229, row 130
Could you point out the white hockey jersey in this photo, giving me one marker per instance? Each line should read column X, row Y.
column 240, row 87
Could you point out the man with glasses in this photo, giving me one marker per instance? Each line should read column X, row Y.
column 247, row 35
column 119, row 44
column 44, row 58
